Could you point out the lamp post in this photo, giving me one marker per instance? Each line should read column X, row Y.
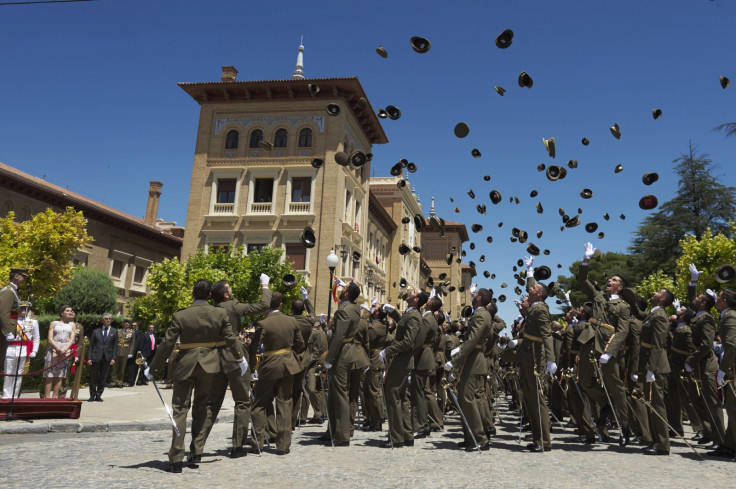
column 332, row 261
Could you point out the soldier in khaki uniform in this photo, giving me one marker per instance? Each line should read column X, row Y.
column 678, row 397
column 361, row 364
column 229, row 373
column 126, row 345
column 339, row 361
column 202, row 328
column 300, row 402
column 726, row 305
column 312, row 361
column 378, row 339
column 423, row 364
column 281, row 338
column 9, row 305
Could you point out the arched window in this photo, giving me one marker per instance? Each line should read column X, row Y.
column 280, row 139
column 305, row 138
column 255, row 138
column 231, row 141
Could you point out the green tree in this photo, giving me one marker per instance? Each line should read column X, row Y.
column 45, row 245
column 729, row 128
column 169, row 293
column 702, row 202
column 89, row 292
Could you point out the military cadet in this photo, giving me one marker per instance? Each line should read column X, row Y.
column 339, row 361
column 229, row 373
column 637, row 409
column 399, row 359
column 360, row 365
column 436, row 373
column 202, row 328
column 378, row 339
column 126, row 346
column 702, row 364
column 473, row 370
column 678, row 397
column 580, row 407
column 9, row 305
column 423, row 363
column 726, row 305
column 312, row 361
column 23, row 346
column 654, row 367
column 300, row 402
column 610, row 319
column 281, row 339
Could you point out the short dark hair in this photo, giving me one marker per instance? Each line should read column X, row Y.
column 439, row 316
column 586, row 312
column 201, row 289
column 730, row 297
column 422, row 299
column 669, row 297
column 687, row 314
column 545, row 290
column 353, row 291
column 434, row 303
column 61, row 309
column 492, row 308
column 297, row 307
column 624, row 282
column 276, row 299
column 710, row 302
column 218, row 290
column 485, row 296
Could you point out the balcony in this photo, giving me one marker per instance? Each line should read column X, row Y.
column 261, row 208
column 299, row 207
column 223, row 209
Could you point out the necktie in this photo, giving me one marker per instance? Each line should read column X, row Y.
column 104, row 334
column 153, row 343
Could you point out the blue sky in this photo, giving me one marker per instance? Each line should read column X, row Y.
column 89, row 99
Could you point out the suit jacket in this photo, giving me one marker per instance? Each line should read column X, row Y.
column 280, row 337
column 472, row 350
column 101, row 350
column 653, row 352
column 200, row 323
column 9, row 301
column 236, row 310
column 727, row 330
column 344, row 326
column 407, row 329
column 424, row 356
column 143, row 344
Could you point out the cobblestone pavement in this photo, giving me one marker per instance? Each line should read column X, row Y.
column 138, row 459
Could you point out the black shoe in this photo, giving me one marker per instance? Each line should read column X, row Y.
column 342, row 443
column 286, row 452
column 408, row 443
column 625, row 437
column 605, row 413
column 174, row 467
column 194, row 459
column 485, row 447
column 421, row 434
column 463, row 444
column 491, row 431
column 315, row 420
column 91, row 399
column 698, row 436
column 373, row 428
column 437, row 428
column 721, row 451
column 675, row 433
column 534, row 448
column 127, row 384
column 325, row 438
column 655, row 451
column 238, row 452
column 98, row 399
column 705, row 440
column 254, row 450
column 388, row 444
column 590, row 440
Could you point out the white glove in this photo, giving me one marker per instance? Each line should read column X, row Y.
column 148, row 374
column 327, row 365
column 388, row 308
column 433, row 293
column 448, row 366
column 254, row 376
column 365, row 306
column 382, row 355
column 589, row 250
column 567, row 296
column 9, row 336
column 243, row 364
column 694, row 273
column 635, row 377
column 721, row 377
column 305, row 294
column 322, row 318
column 265, row 279
column 340, row 283
column 374, row 301
column 473, row 288
column 454, row 352
column 518, row 303
column 551, row 368
column 605, row 358
column 676, row 305
column 513, row 343
column 688, row 368
column 529, row 260
column 130, row 355
column 33, row 355
column 650, row 376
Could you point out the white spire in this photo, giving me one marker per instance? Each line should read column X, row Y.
column 299, row 71
column 431, row 208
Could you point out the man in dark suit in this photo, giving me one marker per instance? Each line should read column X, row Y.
column 103, row 348
column 202, row 329
column 146, row 346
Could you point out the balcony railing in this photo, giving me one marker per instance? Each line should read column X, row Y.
column 261, row 208
column 299, row 207
column 224, row 209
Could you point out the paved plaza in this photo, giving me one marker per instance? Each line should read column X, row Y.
column 122, row 442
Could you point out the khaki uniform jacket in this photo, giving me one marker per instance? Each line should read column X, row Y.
column 401, row 351
column 235, row 311
column 471, row 353
column 126, row 345
column 633, row 343
column 653, row 353
column 424, row 356
column 316, row 348
column 199, row 323
column 362, row 346
column 704, row 331
column 8, row 309
column 727, row 330
column 538, row 326
column 680, row 347
column 280, row 337
column 378, row 340
column 305, row 323
column 344, row 326
column 611, row 316
column 452, row 341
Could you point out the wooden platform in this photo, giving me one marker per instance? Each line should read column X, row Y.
column 42, row 408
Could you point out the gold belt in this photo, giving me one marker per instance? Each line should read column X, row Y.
column 347, row 340
column 681, row 352
column 478, row 347
column 527, row 336
column 602, row 324
column 208, row 344
column 645, row 345
column 276, row 352
column 427, row 345
column 376, row 350
column 574, row 352
column 324, row 354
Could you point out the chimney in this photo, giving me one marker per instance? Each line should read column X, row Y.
column 154, row 194
column 229, row 73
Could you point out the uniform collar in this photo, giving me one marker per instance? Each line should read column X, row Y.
column 409, row 309
column 476, row 309
column 425, row 313
column 725, row 311
column 655, row 308
column 613, row 297
column 700, row 313
column 535, row 303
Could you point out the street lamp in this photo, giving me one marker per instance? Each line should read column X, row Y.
column 332, row 261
